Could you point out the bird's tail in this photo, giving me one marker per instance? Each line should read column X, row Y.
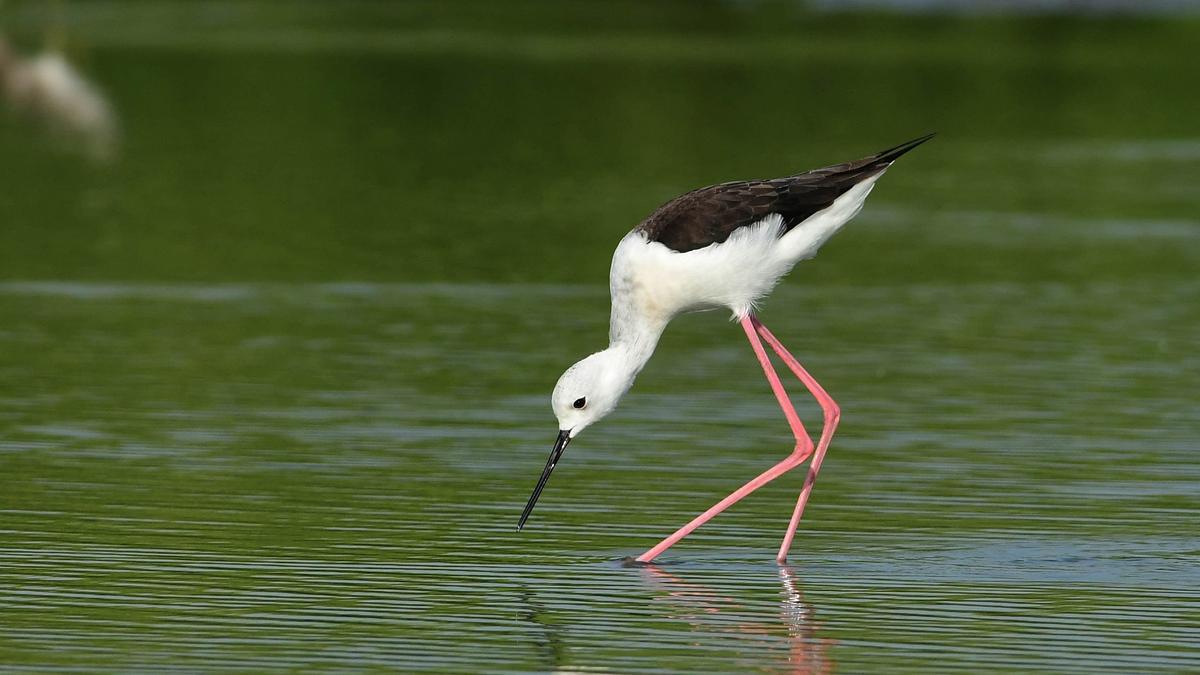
column 885, row 157
column 850, row 173
column 852, row 182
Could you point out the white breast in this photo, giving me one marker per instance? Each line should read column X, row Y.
column 659, row 283
column 655, row 283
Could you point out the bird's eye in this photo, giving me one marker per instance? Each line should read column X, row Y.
column 579, row 403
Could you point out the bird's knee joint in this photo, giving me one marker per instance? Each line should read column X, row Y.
column 833, row 414
column 804, row 448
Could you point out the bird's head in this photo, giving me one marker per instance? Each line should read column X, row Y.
column 589, row 390
column 585, row 393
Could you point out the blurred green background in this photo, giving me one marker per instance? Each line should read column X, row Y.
column 517, row 141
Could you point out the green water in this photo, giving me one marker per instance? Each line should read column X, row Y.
column 274, row 386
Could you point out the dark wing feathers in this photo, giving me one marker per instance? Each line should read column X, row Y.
column 709, row 215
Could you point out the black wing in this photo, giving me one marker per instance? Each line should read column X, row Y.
column 709, row 215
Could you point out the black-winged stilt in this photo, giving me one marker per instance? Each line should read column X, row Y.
column 725, row 245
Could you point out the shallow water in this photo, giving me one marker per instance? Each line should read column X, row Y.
column 301, row 475
column 268, row 402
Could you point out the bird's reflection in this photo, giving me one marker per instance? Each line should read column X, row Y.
column 710, row 612
column 551, row 651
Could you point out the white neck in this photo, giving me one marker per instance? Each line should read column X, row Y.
column 633, row 337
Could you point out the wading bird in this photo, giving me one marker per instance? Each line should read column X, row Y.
column 725, row 245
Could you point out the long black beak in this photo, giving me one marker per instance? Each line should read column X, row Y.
column 564, row 437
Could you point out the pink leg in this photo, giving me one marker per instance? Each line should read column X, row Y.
column 832, row 415
column 804, row 447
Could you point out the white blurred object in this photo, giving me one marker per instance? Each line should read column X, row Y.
column 48, row 87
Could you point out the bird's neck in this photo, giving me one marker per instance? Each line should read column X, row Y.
column 634, row 337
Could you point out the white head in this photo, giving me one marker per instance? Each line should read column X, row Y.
column 591, row 389
column 588, row 391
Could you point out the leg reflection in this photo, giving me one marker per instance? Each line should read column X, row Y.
column 790, row 619
column 807, row 653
